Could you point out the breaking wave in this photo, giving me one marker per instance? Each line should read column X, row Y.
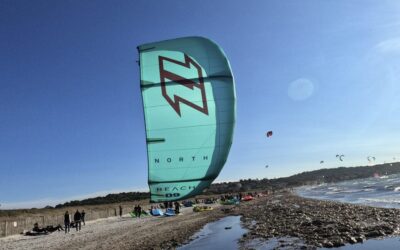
column 374, row 191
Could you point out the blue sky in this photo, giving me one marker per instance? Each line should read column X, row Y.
column 323, row 75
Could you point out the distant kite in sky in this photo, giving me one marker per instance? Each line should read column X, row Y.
column 269, row 133
column 340, row 157
column 321, row 162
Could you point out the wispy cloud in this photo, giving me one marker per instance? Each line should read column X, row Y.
column 389, row 46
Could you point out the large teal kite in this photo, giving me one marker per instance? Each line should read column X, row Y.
column 189, row 109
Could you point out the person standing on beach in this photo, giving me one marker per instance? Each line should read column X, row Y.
column 139, row 210
column 166, row 205
column 177, row 206
column 120, row 211
column 67, row 222
column 83, row 217
column 77, row 220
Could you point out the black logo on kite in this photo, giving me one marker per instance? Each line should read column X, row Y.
column 196, row 83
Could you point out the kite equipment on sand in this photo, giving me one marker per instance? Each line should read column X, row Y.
column 247, row 198
column 230, row 202
column 157, row 212
column 202, row 208
column 142, row 213
column 170, row 212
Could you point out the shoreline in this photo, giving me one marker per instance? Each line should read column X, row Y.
column 319, row 223
column 316, row 223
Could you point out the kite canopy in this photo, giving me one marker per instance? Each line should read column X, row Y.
column 189, row 109
column 269, row 133
column 340, row 157
column 371, row 158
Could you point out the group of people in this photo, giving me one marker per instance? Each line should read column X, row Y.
column 137, row 211
column 36, row 230
column 79, row 218
column 170, row 204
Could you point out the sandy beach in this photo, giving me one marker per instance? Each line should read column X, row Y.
column 315, row 223
column 120, row 233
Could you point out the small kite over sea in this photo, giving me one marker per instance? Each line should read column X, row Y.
column 340, row 157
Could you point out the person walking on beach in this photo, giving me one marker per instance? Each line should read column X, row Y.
column 139, row 211
column 67, row 222
column 77, row 220
column 120, row 211
column 83, row 217
column 177, row 206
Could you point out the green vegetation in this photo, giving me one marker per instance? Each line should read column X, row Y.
column 305, row 178
column 108, row 199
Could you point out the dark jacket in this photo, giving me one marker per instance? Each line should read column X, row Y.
column 77, row 216
column 66, row 218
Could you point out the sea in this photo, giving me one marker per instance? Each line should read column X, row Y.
column 377, row 191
